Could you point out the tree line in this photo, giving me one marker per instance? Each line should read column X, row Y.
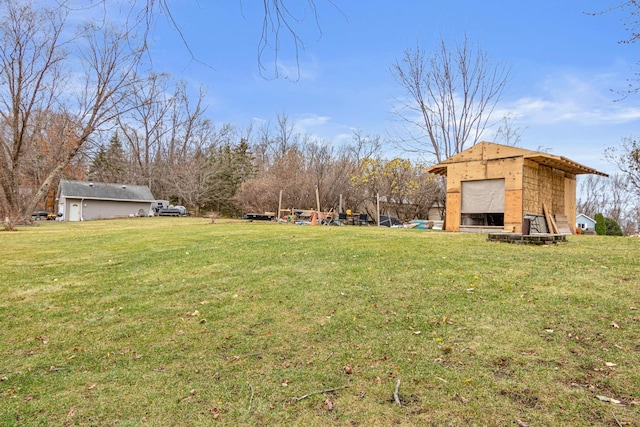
column 82, row 102
column 228, row 170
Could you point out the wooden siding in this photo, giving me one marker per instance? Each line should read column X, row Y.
column 513, row 211
column 553, row 187
column 530, row 200
column 531, row 180
column 558, row 192
column 570, row 200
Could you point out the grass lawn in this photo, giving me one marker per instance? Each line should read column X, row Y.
column 180, row 322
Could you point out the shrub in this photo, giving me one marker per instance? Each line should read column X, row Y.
column 601, row 228
column 612, row 227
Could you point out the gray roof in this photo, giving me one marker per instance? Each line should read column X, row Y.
column 104, row 191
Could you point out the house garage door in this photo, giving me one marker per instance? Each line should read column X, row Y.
column 486, row 196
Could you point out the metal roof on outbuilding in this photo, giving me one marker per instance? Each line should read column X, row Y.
column 104, row 191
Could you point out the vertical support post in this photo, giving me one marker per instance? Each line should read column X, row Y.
column 279, row 205
column 378, row 207
column 318, row 199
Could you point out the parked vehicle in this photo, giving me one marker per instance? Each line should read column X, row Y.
column 169, row 212
column 182, row 209
column 39, row 215
column 160, row 204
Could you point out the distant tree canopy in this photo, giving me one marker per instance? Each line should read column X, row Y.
column 113, row 122
column 39, row 49
column 38, row 102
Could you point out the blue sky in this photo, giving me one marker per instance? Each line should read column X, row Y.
column 565, row 64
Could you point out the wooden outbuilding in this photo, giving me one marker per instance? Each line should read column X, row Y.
column 493, row 187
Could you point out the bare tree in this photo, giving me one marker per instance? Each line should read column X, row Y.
column 593, row 195
column 619, row 198
column 631, row 24
column 613, row 197
column 297, row 165
column 143, row 125
column 33, row 57
column 364, row 146
column 449, row 97
column 626, row 157
column 508, row 133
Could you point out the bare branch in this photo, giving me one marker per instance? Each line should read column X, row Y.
column 450, row 96
column 329, row 390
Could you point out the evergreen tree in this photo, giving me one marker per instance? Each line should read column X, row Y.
column 109, row 164
column 601, row 228
column 232, row 166
column 116, row 162
column 98, row 165
column 612, row 227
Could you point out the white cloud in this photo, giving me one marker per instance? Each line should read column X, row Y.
column 309, row 120
column 572, row 98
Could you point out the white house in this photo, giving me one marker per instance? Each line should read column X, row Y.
column 585, row 223
column 82, row 201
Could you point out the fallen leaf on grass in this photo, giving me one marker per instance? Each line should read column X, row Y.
column 92, row 386
column 329, row 404
column 610, row 364
column 188, row 396
column 348, row 370
column 215, row 412
column 608, row 399
column 462, row 399
column 615, row 325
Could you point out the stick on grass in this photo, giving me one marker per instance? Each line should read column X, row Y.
column 251, row 398
column 616, row 418
column 295, row 399
column 396, row 397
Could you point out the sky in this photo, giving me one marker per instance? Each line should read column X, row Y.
column 567, row 65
